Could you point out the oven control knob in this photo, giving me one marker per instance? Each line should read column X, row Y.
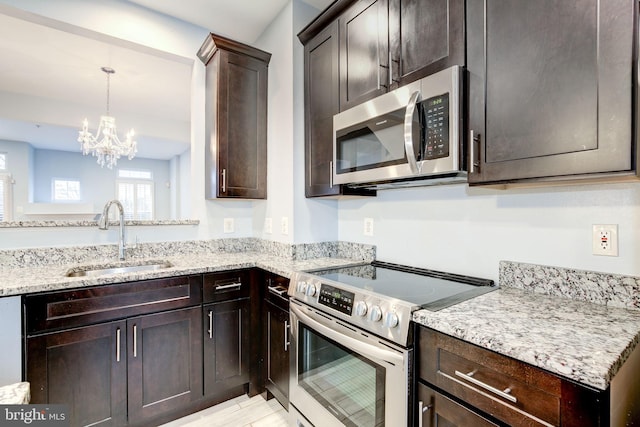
column 391, row 320
column 375, row 314
column 361, row 308
column 301, row 287
column 311, row 289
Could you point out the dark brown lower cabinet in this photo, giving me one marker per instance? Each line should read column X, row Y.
column 164, row 362
column 84, row 368
column 461, row 384
column 438, row 410
column 277, row 352
column 226, row 344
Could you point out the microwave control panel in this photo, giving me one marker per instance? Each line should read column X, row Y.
column 436, row 127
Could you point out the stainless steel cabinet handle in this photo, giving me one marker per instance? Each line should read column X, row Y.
column 237, row 285
column 408, row 131
column 474, row 164
column 276, row 290
column 224, row 180
column 286, row 335
column 331, row 174
column 502, row 393
column 210, row 330
column 135, row 340
column 421, row 410
column 118, row 345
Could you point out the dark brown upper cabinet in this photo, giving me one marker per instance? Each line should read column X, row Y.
column 385, row 44
column 321, row 95
column 236, row 119
column 551, row 89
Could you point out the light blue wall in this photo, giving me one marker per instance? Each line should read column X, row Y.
column 18, row 165
column 98, row 184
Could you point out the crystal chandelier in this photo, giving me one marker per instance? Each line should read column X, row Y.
column 106, row 145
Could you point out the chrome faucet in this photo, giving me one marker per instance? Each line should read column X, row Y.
column 103, row 224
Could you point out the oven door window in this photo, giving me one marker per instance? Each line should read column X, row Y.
column 347, row 384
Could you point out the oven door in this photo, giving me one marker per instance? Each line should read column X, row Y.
column 342, row 376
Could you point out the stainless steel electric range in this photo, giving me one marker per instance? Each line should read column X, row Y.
column 351, row 341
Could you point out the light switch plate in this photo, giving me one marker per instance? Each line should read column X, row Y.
column 228, row 225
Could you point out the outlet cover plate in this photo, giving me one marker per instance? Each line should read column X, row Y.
column 228, row 225
column 605, row 239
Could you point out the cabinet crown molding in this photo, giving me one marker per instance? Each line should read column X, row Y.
column 213, row 42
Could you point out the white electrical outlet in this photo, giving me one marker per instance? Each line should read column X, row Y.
column 368, row 227
column 284, row 225
column 605, row 239
column 228, row 225
column 268, row 225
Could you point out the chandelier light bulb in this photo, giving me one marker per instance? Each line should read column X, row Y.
column 105, row 145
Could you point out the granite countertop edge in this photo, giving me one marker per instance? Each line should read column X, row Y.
column 581, row 341
column 28, row 280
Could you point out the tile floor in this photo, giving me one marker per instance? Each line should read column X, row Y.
column 239, row 412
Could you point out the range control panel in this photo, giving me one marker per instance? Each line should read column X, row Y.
column 336, row 298
column 386, row 317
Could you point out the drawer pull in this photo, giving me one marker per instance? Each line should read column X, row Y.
column 278, row 290
column 502, row 393
column 231, row 286
column 421, row 410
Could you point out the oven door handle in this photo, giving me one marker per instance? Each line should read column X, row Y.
column 395, row 358
column 408, row 131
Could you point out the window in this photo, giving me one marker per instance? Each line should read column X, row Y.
column 135, row 191
column 65, row 190
column 6, row 207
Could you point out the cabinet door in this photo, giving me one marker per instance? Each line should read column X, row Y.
column 165, row 362
column 277, row 352
column 242, row 126
column 438, row 410
column 425, row 36
column 364, row 52
column 226, row 343
column 84, row 368
column 550, row 86
column 322, row 103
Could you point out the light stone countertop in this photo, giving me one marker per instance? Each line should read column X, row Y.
column 26, row 280
column 579, row 340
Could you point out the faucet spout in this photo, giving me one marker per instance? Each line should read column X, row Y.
column 103, row 224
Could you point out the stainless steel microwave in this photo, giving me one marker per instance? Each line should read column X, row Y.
column 409, row 136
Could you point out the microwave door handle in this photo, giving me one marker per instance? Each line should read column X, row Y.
column 408, row 131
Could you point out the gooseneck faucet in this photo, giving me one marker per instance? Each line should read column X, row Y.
column 103, row 224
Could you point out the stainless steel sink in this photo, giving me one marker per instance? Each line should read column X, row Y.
column 125, row 268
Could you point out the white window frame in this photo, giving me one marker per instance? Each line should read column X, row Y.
column 135, row 182
column 3, row 162
column 7, row 196
column 53, row 190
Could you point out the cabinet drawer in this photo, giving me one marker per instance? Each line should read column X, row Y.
column 434, row 409
column 514, row 392
column 226, row 286
column 79, row 307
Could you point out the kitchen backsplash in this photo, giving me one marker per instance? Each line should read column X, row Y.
column 613, row 290
column 34, row 257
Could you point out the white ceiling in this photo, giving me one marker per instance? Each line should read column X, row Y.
column 50, row 78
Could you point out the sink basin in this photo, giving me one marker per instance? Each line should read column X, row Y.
column 115, row 269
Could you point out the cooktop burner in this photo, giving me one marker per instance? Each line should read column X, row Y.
column 380, row 297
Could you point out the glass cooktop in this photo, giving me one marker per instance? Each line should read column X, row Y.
column 425, row 288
